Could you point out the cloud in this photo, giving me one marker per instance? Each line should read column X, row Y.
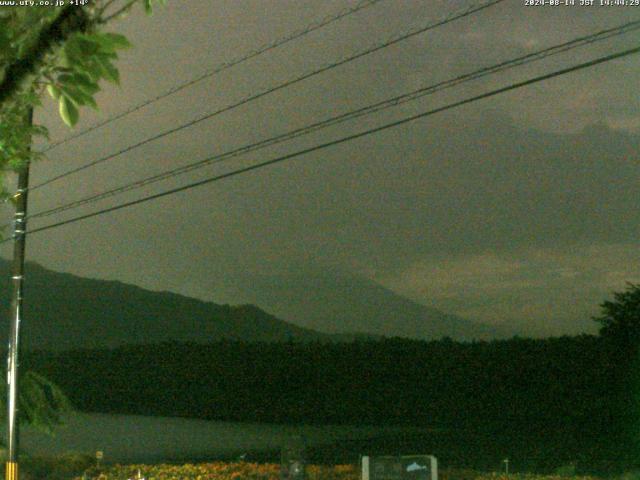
column 545, row 290
column 542, row 171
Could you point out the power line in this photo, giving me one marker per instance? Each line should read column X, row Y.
column 367, row 110
column 452, row 17
column 221, row 67
column 341, row 140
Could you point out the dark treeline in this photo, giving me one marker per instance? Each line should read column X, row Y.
column 553, row 400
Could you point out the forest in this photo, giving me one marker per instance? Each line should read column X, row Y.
column 545, row 402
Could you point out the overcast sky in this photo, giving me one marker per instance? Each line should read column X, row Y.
column 518, row 209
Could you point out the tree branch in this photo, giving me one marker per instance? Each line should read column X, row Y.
column 120, row 11
column 18, row 74
column 104, row 7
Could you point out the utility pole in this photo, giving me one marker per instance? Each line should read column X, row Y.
column 17, row 277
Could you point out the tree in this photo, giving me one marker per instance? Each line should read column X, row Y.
column 620, row 331
column 61, row 50
column 620, row 318
column 65, row 52
column 42, row 403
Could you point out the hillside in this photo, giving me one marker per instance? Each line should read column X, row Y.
column 62, row 311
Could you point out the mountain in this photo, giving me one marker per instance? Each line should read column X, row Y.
column 340, row 303
column 63, row 311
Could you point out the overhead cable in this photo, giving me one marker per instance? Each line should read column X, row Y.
column 220, row 68
column 367, row 110
column 396, row 39
column 341, row 140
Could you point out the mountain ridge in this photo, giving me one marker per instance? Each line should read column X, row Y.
column 333, row 302
column 89, row 313
column 63, row 311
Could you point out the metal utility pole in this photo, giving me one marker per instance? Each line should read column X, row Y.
column 17, row 276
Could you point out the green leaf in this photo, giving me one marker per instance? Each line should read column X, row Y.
column 147, row 7
column 108, row 55
column 88, row 45
column 77, row 96
column 113, row 41
column 93, row 70
column 68, row 111
column 108, row 70
column 81, row 78
column 72, row 51
column 85, row 83
column 5, row 39
column 66, row 79
column 53, row 91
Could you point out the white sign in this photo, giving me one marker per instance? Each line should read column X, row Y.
column 406, row 467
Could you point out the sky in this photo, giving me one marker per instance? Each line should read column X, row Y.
column 520, row 209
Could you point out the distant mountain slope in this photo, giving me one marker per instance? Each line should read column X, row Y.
column 342, row 303
column 63, row 311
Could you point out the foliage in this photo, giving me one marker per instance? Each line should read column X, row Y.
column 218, row 471
column 61, row 50
column 86, row 59
column 41, row 403
column 64, row 51
column 242, row 470
column 62, row 467
column 620, row 330
column 16, row 132
column 528, row 476
column 542, row 403
column 620, row 318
